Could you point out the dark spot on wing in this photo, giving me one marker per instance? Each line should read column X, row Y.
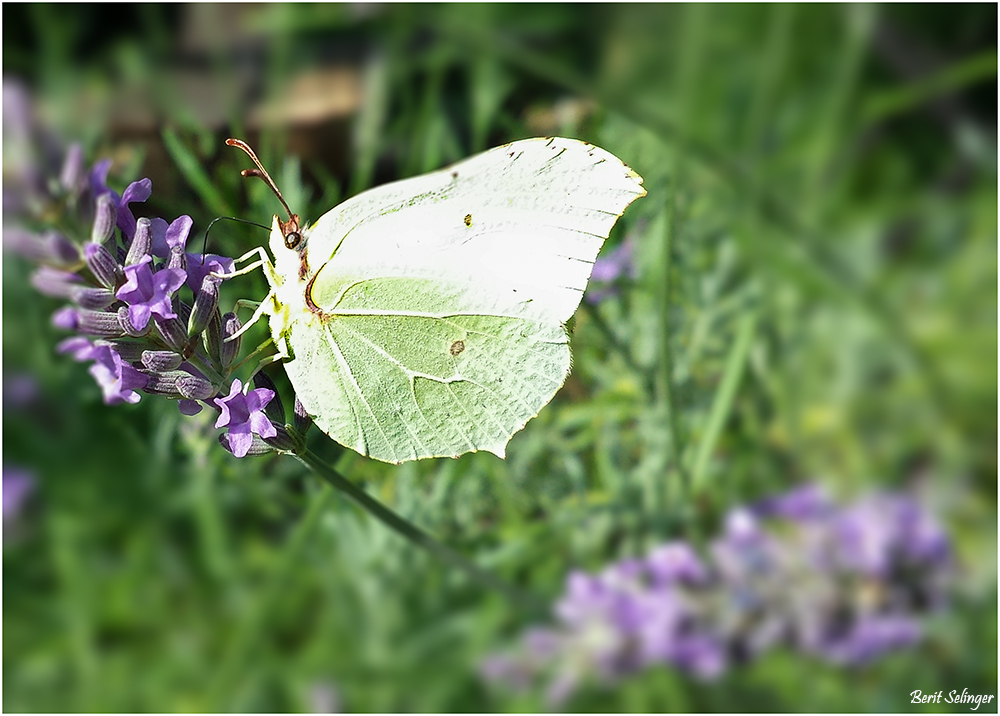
column 457, row 347
column 454, row 175
column 468, row 219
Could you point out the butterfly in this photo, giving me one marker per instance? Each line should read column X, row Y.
column 426, row 317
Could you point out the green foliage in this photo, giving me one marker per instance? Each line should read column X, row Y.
column 825, row 308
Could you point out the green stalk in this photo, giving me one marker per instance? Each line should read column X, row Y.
column 416, row 535
column 722, row 403
column 667, row 390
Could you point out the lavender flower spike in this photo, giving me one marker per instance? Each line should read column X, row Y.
column 148, row 294
column 244, row 415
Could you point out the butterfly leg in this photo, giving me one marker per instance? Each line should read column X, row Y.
column 263, row 309
column 267, row 306
column 263, row 262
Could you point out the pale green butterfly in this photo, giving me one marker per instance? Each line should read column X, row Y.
column 425, row 318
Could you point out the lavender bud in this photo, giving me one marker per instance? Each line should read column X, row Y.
column 173, row 334
column 60, row 249
column 95, row 299
column 100, row 324
column 282, row 441
column 103, row 265
column 141, row 243
column 205, row 305
column 213, row 338
column 189, row 407
column 125, row 323
column 104, row 220
column 161, row 361
column 182, row 310
column 66, row 318
column 194, row 388
column 163, row 383
column 229, row 348
column 130, row 352
column 303, row 421
column 24, row 243
column 71, row 176
column 257, row 446
column 274, row 410
column 58, row 284
column 177, row 258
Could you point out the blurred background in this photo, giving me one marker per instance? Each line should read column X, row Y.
column 827, row 179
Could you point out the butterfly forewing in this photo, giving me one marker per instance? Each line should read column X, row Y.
column 428, row 319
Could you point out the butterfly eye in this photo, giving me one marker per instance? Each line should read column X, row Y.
column 293, row 239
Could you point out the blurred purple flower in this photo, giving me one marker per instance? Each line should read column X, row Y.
column 614, row 265
column 244, row 415
column 843, row 583
column 609, row 268
column 18, row 484
column 147, row 293
column 869, row 637
column 676, row 562
column 19, row 390
column 324, row 698
column 803, row 503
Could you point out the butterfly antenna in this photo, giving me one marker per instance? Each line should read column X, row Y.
column 261, row 172
column 204, row 247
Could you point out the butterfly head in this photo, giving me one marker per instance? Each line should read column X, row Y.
column 289, row 231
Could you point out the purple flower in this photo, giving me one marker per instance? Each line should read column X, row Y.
column 18, row 485
column 870, row 637
column 147, row 293
column 20, row 390
column 804, row 503
column 169, row 236
column 137, row 191
column 201, row 265
column 676, row 562
column 173, row 237
column 614, row 265
column 244, row 415
column 844, row 583
column 118, row 379
column 610, row 268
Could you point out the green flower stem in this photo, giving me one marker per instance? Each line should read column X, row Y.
column 417, row 536
column 725, row 395
column 667, row 389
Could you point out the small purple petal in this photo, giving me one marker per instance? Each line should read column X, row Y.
column 137, row 191
column 18, row 484
column 78, row 346
column 199, row 266
column 189, row 407
column 159, row 247
column 177, row 232
column 66, row 318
